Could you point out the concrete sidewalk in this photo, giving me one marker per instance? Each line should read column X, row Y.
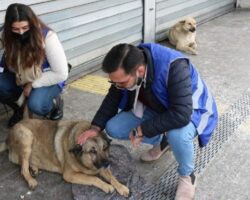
column 224, row 63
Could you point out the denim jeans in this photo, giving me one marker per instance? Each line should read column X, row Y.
column 180, row 139
column 40, row 100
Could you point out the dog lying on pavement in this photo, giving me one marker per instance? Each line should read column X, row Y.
column 50, row 145
column 183, row 36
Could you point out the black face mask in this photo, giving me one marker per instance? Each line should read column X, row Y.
column 22, row 38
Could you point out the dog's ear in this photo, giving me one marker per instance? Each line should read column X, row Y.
column 109, row 140
column 76, row 150
column 182, row 21
column 106, row 138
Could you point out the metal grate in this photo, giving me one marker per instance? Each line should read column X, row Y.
column 228, row 123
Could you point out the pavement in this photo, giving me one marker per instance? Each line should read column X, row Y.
column 223, row 62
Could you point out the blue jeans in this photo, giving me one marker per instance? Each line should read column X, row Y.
column 180, row 140
column 40, row 100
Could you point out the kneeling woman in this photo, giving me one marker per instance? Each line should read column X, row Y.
column 33, row 65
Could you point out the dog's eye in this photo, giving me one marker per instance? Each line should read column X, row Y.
column 93, row 151
column 105, row 148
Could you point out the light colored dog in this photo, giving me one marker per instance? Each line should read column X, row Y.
column 50, row 145
column 183, row 35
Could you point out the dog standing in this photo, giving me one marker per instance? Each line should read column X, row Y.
column 183, row 36
column 50, row 145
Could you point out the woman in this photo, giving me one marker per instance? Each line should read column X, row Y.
column 33, row 64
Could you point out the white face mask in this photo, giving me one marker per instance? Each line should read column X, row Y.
column 137, row 84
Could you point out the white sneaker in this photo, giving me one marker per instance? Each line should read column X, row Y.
column 186, row 187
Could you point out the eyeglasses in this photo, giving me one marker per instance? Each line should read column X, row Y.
column 124, row 83
column 119, row 85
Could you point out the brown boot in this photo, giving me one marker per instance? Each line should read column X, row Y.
column 153, row 154
column 186, row 187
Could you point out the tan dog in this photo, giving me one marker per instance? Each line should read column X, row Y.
column 49, row 145
column 183, row 36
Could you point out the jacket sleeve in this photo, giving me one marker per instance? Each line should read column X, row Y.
column 178, row 114
column 108, row 108
column 57, row 59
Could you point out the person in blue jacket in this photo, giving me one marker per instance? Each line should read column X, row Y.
column 162, row 100
column 33, row 65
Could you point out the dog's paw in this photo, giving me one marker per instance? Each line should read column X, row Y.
column 32, row 183
column 108, row 188
column 33, row 171
column 123, row 190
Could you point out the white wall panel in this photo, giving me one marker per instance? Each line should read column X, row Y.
column 243, row 4
column 89, row 28
column 168, row 12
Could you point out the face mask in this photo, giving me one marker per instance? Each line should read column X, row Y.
column 137, row 84
column 22, row 38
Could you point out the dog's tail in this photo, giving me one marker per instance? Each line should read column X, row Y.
column 3, row 146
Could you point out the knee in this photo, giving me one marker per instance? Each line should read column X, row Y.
column 38, row 107
column 113, row 130
column 8, row 93
column 3, row 92
column 179, row 136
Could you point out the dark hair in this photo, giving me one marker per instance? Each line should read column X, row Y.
column 32, row 53
column 125, row 56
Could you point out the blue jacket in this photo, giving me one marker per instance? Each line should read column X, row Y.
column 204, row 115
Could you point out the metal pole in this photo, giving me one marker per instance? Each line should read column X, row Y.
column 149, row 20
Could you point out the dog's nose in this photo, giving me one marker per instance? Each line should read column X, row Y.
column 105, row 163
column 193, row 30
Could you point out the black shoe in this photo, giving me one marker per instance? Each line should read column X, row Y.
column 15, row 118
column 57, row 111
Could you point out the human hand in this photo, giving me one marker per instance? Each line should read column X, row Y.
column 27, row 89
column 92, row 132
column 136, row 137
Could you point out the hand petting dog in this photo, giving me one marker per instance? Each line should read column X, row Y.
column 136, row 137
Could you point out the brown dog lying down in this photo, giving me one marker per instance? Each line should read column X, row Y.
column 49, row 145
column 183, row 35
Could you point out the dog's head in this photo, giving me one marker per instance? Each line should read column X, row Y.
column 94, row 153
column 189, row 24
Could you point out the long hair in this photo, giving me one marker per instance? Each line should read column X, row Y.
column 32, row 52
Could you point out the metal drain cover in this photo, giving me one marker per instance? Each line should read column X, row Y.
column 228, row 123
